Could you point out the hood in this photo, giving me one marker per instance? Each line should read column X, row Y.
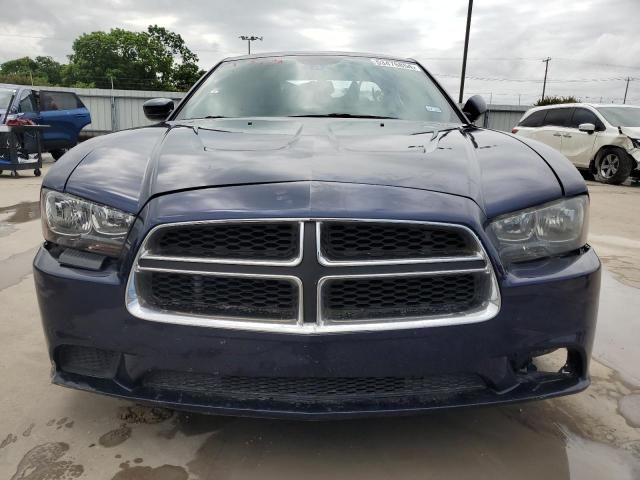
column 490, row 168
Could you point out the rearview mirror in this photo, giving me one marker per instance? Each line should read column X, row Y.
column 158, row 108
column 587, row 127
column 474, row 107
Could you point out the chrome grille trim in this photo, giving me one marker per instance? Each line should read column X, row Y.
column 407, row 261
column 487, row 310
column 451, row 265
column 137, row 308
column 146, row 254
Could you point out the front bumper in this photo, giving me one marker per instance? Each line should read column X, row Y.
column 552, row 304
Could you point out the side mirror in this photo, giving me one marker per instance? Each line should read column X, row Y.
column 474, row 107
column 158, row 108
column 587, row 127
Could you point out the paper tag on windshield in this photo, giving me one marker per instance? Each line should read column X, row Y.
column 433, row 109
column 382, row 62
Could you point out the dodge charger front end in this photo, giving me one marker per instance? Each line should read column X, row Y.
column 316, row 235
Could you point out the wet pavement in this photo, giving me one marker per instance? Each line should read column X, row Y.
column 47, row 432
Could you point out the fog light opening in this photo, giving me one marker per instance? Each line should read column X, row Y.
column 558, row 360
column 88, row 361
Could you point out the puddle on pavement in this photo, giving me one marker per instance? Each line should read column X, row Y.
column 15, row 268
column 20, row 213
column 16, row 214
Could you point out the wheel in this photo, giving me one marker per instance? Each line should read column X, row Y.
column 14, row 173
column 56, row 154
column 37, row 172
column 613, row 166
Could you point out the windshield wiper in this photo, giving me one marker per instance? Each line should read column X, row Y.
column 343, row 115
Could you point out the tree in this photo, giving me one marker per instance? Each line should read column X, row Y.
column 43, row 70
column 157, row 59
column 556, row 100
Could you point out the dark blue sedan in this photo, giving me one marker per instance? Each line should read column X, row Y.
column 317, row 235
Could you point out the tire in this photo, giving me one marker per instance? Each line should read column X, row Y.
column 56, row 154
column 613, row 166
column 37, row 172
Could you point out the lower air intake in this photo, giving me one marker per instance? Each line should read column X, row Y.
column 309, row 389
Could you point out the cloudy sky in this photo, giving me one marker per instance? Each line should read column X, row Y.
column 593, row 43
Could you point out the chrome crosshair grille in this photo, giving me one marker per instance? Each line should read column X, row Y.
column 312, row 275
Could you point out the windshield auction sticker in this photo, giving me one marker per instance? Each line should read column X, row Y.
column 382, row 62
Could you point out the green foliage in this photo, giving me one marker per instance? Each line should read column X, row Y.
column 157, row 59
column 556, row 100
column 44, row 70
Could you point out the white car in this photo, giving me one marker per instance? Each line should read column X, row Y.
column 604, row 139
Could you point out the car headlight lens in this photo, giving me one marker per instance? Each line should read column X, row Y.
column 635, row 142
column 73, row 222
column 550, row 229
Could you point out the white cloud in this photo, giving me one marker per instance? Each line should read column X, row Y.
column 508, row 39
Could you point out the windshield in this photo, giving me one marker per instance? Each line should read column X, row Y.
column 5, row 98
column 319, row 86
column 621, row 116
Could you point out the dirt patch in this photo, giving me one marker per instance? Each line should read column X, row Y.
column 8, row 440
column 115, row 437
column 165, row 472
column 142, row 414
column 27, row 432
column 44, row 463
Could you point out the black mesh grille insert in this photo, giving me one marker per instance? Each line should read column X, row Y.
column 242, row 240
column 311, row 389
column 379, row 241
column 401, row 297
column 89, row 361
column 221, row 296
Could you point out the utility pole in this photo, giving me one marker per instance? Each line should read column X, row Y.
column 466, row 49
column 249, row 39
column 626, row 90
column 546, row 69
column 31, row 76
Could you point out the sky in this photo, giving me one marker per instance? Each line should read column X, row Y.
column 593, row 44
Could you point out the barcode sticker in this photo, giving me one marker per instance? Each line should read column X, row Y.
column 382, row 62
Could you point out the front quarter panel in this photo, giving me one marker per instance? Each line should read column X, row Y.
column 569, row 177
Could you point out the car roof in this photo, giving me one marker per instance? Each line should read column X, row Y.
column 581, row 104
column 320, row 53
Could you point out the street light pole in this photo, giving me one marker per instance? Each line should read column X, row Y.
column 626, row 90
column 466, row 49
column 546, row 69
column 249, row 39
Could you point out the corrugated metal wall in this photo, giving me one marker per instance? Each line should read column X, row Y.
column 502, row 117
column 113, row 110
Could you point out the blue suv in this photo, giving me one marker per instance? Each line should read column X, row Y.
column 63, row 112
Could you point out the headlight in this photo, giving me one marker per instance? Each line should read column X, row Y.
column 73, row 222
column 635, row 142
column 544, row 231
